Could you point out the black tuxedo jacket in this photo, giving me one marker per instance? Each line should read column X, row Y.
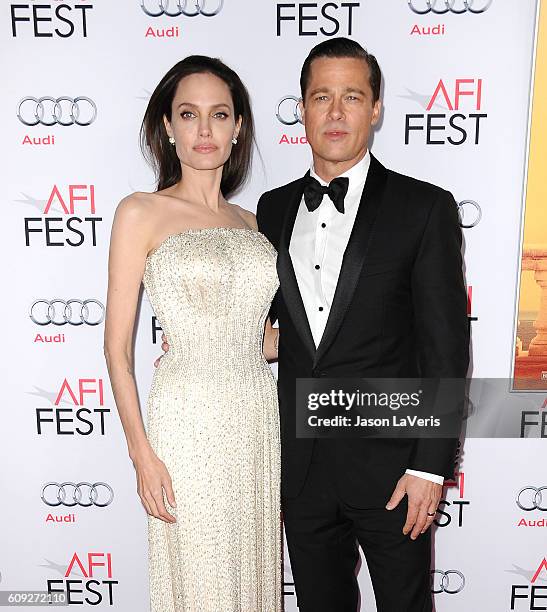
column 399, row 310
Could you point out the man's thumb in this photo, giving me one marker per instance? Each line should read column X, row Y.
column 396, row 497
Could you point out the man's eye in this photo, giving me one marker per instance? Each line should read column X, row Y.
column 321, row 98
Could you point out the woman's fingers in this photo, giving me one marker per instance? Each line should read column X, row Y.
column 152, row 481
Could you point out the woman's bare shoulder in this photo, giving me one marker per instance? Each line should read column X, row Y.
column 248, row 217
column 137, row 206
column 135, row 212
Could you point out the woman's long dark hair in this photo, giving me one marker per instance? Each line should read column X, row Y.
column 155, row 143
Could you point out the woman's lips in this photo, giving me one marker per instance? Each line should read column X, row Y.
column 205, row 148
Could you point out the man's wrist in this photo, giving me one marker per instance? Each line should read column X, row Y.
column 436, row 478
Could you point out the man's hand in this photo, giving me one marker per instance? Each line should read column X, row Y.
column 164, row 348
column 423, row 500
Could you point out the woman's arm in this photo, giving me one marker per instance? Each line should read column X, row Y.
column 129, row 245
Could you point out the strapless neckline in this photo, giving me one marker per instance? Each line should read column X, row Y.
column 197, row 230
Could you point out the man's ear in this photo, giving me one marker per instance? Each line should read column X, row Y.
column 301, row 109
column 376, row 112
column 167, row 126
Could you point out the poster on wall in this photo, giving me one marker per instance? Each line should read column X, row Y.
column 530, row 354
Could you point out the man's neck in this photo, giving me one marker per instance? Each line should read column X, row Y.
column 327, row 169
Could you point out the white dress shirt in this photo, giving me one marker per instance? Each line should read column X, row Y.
column 317, row 246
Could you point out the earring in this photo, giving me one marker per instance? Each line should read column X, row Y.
column 171, row 140
column 234, row 140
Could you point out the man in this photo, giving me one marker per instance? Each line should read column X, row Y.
column 371, row 285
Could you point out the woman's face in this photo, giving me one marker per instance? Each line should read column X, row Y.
column 202, row 121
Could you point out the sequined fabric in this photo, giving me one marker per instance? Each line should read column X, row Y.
column 212, row 418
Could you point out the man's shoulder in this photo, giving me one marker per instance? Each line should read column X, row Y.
column 414, row 187
column 281, row 191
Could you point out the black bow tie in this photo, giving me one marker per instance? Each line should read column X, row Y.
column 336, row 190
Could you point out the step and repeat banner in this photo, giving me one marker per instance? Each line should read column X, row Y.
column 464, row 107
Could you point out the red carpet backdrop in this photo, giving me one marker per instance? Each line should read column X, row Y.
column 459, row 79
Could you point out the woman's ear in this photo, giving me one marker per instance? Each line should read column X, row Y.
column 167, row 126
column 238, row 126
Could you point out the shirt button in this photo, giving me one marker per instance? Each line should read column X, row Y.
column 317, row 266
column 323, row 225
column 320, row 308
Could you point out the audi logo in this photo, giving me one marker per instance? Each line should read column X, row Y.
column 530, row 498
column 61, row 111
column 73, row 312
column 287, row 110
column 182, row 7
column 470, row 213
column 77, row 494
column 449, row 6
column 449, row 581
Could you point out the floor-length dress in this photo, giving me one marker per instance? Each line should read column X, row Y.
column 212, row 418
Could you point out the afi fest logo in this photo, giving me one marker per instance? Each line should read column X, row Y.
column 452, row 510
column 78, row 409
column 316, row 18
column 533, row 423
column 470, row 317
column 50, row 20
column 530, row 595
column 69, row 218
column 460, row 102
column 86, row 579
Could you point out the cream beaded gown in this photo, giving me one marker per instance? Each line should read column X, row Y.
column 213, row 420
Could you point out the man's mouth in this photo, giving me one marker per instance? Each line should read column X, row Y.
column 336, row 134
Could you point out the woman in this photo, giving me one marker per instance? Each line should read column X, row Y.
column 208, row 464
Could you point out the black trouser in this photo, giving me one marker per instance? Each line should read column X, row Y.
column 323, row 533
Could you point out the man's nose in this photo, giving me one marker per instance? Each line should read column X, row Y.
column 336, row 110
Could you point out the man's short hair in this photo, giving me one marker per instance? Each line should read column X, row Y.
column 342, row 47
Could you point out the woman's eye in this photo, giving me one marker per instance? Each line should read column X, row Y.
column 187, row 115
column 221, row 115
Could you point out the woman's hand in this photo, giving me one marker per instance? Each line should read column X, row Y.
column 152, row 480
column 270, row 342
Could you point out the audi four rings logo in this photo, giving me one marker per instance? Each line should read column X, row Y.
column 470, row 213
column 189, row 8
column 77, row 494
column 287, row 110
column 421, row 7
column 61, row 111
column 61, row 312
column 531, row 498
column 449, row 581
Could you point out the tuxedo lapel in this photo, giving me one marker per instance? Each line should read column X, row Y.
column 286, row 274
column 354, row 255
